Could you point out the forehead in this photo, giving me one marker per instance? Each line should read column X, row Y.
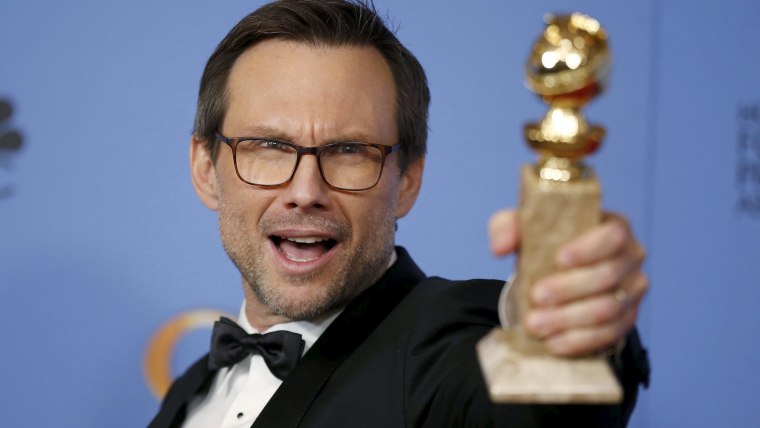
column 311, row 94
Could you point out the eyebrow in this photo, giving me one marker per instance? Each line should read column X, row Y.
column 260, row 131
column 263, row 131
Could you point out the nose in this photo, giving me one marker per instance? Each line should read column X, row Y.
column 307, row 189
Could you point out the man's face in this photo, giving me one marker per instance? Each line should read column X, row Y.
column 304, row 248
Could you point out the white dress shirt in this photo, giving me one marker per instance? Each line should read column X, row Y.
column 239, row 393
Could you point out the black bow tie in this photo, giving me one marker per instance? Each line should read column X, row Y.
column 230, row 344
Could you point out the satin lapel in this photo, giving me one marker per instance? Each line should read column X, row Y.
column 174, row 407
column 291, row 401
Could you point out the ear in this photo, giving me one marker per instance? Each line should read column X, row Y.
column 410, row 183
column 203, row 173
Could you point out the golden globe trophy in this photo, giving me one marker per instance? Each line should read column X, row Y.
column 560, row 199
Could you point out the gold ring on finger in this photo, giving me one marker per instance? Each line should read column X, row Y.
column 623, row 297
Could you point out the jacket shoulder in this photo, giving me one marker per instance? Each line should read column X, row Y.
column 443, row 384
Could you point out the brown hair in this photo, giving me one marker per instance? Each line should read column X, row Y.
column 319, row 23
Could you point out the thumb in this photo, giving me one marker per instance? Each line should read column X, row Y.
column 504, row 232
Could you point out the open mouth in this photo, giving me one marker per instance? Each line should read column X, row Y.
column 303, row 249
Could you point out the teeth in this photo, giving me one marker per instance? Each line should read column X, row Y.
column 296, row 259
column 306, row 240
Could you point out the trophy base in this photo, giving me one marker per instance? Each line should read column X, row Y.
column 516, row 377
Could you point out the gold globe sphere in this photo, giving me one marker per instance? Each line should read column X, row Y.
column 570, row 60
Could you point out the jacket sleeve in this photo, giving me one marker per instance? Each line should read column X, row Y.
column 444, row 385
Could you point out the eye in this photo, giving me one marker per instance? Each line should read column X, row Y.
column 261, row 146
column 271, row 144
column 351, row 149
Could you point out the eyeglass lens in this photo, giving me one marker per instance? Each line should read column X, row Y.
column 349, row 166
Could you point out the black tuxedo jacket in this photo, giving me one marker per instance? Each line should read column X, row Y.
column 402, row 354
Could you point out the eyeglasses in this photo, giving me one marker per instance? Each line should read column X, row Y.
column 268, row 163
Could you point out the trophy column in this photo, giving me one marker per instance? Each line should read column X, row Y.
column 560, row 199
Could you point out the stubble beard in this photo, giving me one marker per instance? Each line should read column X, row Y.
column 354, row 269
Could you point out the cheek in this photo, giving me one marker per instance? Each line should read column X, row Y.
column 240, row 204
column 232, row 191
column 369, row 215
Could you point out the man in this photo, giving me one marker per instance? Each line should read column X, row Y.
column 309, row 142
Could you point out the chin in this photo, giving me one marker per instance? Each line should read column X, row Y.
column 304, row 301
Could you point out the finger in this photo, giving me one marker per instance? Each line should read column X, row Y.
column 605, row 240
column 589, row 340
column 504, row 232
column 637, row 288
column 597, row 310
column 573, row 284
column 594, row 311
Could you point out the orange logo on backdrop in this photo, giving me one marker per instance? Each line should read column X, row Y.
column 157, row 362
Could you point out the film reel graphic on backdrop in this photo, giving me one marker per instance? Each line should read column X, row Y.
column 10, row 144
column 159, row 353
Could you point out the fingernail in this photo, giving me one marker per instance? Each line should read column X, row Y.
column 537, row 323
column 542, row 295
column 565, row 258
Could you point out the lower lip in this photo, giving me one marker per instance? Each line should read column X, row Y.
column 301, row 268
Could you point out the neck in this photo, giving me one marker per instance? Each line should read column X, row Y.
column 259, row 315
